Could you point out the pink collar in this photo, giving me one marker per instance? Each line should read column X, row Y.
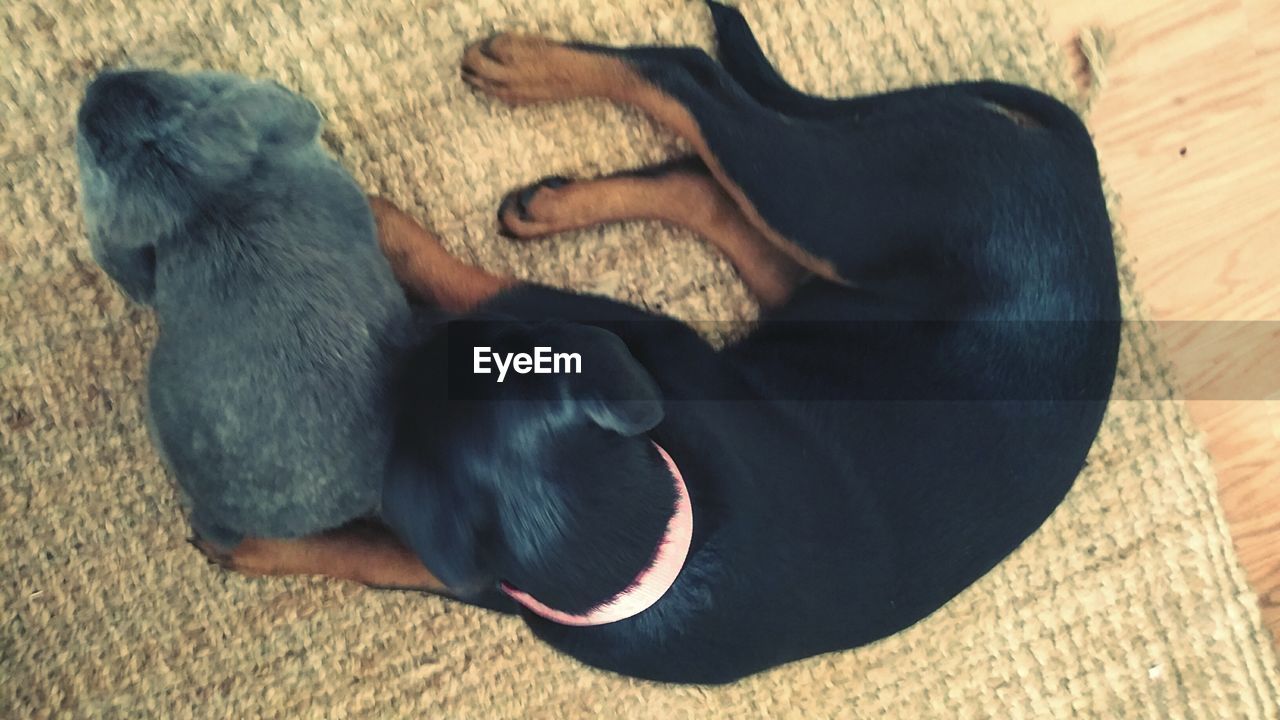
column 650, row 585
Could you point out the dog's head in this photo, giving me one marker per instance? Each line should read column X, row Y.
column 546, row 482
column 151, row 144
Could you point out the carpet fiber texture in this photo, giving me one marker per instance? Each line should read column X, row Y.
column 1128, row 603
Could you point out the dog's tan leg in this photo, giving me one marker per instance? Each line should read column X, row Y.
column 425, row 269
column 523, row 69
column 683, row 195
column 362, row 552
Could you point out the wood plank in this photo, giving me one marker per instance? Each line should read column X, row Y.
column 1204, row 224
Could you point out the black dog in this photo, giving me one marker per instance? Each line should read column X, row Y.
column 939, row 343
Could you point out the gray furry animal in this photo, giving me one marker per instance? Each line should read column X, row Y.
column 209, row 197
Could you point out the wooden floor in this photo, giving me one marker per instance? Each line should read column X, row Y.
column 1188, row 129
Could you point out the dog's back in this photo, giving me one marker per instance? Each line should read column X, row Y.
column 906, row 431
column 280, row 322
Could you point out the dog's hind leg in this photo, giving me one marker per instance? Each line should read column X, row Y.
column 361, row 552
column 675, row 86
column 425, row 269
column 852, row 190
column 682, row 193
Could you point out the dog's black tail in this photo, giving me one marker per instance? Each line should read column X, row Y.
column 742, row 57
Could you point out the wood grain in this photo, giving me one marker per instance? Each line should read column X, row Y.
column 1188, row 128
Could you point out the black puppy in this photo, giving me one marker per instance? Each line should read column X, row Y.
column 935, row 358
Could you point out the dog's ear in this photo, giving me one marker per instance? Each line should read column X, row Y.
column 219, row 143
column 215, row 145
column 122, row 231
column 446, row 525
column 282, row 116
column 437, row 512
column 132, row 268
column 613, row 389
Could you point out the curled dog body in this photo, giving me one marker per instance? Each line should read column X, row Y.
column 938, row 345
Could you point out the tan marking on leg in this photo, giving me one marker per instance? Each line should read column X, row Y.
column 425, row 269
column 686, row 198
column 520, row 69
column 360, row 552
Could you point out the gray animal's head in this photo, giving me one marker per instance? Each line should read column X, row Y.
column 151, row 144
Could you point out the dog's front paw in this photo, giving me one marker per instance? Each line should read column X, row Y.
column 535, row 210
column 251, row 556
column 216, row 554
column 529, row 68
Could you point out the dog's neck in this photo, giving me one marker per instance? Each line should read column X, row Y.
column 649, row 585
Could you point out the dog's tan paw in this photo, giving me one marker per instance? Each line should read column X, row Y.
column 535, row 210
column 215, row 554
column 252, row 556
column 520, row 69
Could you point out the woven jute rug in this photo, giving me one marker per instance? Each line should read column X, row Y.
column 1128, row 603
